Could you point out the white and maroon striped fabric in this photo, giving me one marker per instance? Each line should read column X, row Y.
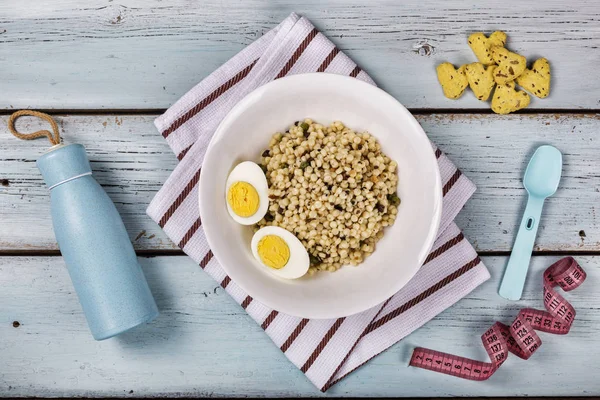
column 325, row 350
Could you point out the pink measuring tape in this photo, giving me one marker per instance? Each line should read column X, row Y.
column 519, row 338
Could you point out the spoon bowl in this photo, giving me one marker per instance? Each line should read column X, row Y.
column 542, row 175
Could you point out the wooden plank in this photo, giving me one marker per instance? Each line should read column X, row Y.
column 203, row 344
column 136, row 54
column 131, row 160
column 494, row 151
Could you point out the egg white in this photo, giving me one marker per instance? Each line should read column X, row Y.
column 299, row 261
column 251, row 173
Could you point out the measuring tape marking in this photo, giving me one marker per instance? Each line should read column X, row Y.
column 519, row 337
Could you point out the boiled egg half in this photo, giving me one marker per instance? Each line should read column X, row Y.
column 247, row 193
column 280, row 252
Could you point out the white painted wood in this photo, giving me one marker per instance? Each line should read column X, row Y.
column 131, row 160
column 203, row 344
column 136, row 54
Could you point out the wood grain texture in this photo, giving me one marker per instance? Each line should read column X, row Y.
column 143, row 55
column 131, row 160
column 204, row 344
column 132, row 54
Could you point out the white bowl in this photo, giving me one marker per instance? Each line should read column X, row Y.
column 244, row 134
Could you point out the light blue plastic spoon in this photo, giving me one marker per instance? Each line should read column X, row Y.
column 541, row 181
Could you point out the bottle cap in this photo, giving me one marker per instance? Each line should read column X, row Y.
column 64, row 163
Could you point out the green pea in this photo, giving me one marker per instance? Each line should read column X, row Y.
column 393, row 198
column 314, row 260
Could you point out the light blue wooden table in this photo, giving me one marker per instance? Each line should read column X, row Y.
column 106, row 69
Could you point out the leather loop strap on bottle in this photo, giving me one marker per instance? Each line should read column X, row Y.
column 54, row 138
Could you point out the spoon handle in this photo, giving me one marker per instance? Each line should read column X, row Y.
column 513, row 281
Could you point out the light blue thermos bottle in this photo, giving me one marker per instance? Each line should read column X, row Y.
column 101, row 261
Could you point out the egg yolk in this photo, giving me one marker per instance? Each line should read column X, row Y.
column 273, row 251
column 243, row 199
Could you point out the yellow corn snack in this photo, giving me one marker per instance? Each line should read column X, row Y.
column 537, row 79
column 453, row 81
column 481, row 45
column 506, row 99
column 481, row 80
column 510, row 65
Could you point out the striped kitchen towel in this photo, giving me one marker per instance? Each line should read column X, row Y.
column 325, row 350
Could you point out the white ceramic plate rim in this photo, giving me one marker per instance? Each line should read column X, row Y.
column 281, row 84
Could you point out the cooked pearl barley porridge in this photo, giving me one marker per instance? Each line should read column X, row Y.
column 331, row 187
